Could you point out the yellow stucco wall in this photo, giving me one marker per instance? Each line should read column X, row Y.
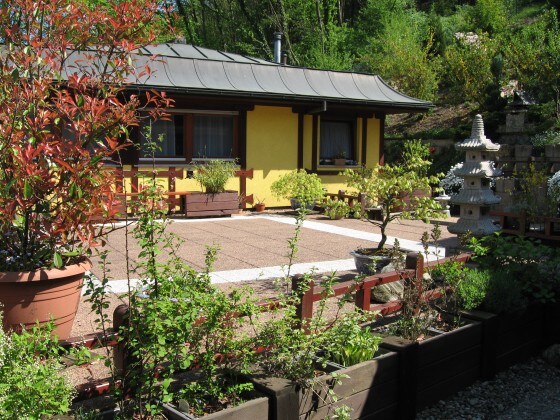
column 272, row 140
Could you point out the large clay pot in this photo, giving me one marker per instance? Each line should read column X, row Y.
column 31, row 296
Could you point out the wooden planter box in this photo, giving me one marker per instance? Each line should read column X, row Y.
column 437, row 367
column 203, row 205
column 371, row 391
column 253, row 409
column 510, row 338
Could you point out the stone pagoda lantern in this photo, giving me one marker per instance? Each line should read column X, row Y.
column 476, row 197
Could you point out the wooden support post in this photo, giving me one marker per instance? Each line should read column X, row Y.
column 304, row 309
column 363, row 298
column 415, row 261
column 121, row 356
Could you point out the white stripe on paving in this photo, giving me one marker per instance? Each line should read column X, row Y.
column 263, row 273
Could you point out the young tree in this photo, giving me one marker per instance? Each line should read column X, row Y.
column 64, row 111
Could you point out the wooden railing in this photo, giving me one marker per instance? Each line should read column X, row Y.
column 521, row 224
column 414, row 270
column 175, row 198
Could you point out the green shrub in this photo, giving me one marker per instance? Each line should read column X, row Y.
column 350, row 344
column 31, row 385
column 299, row 185
column 213, row 175
column 472, row 290
column 337, row 209
column 449, row 272
column 504, row 293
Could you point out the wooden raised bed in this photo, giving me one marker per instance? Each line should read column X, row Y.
column 253, row 409
column 203, row 204
column 437, row 367
column 509, row 338
column 371, row 391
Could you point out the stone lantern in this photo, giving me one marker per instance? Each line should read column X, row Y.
column 476, row 197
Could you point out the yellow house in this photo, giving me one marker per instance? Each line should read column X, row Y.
column 271, row 117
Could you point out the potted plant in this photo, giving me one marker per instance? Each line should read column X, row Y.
column 301, row 188
column 260, row 206
column 340, row 158
column 337, row 209
column 388, row 187
column 212, row 176
column 55, row 140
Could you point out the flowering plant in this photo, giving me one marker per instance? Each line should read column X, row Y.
column 63, row 116
column 553, row 184
column 452, row 183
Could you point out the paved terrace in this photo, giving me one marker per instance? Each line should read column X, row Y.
column 255, row 246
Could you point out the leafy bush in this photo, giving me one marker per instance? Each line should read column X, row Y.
column 337, row 209
column 546, row 138
column 31, row 384
column 504, row 293
column 299, row 185
column 530, row 266
column 214, row 174
column 449, row 272
column 350, row 344
column 553, row 185
column 471, row 291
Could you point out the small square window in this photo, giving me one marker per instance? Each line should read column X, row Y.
column 337, row 141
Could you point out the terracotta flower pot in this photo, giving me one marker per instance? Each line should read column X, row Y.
column 260, row 207
column 40, row 295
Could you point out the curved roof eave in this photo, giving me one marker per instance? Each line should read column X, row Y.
column 401, row 106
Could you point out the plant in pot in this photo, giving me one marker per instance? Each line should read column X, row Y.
column 260, row 205
column 389, row 187
column 212, row 176
column 337, row 209
column 301, row 188
column 64, row 117
column 339, row 159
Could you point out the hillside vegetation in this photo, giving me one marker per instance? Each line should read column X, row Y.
column 450, row 52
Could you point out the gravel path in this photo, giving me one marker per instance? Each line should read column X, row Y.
column 530, row 390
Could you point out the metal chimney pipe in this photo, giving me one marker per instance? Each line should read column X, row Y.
column 284, row 58
column 278, row 47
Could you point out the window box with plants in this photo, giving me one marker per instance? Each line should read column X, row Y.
column 301, row 188
column 215, row 200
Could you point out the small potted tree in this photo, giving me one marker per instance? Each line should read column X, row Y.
column 55, row 141
column 301, row 188
column 215, row 200
column 390, row 187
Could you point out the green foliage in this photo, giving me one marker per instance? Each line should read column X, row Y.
column 468, row 68
column 530, row 268
column 449, row 273
column 472, row 290
column 337, row 209
column 350, row 344
column 214, row 174
column 504, row 294
column 549, row 137
column 532, row 197
column 389, row 185
column 305, row 188
column 489, row 16
column 32, row 385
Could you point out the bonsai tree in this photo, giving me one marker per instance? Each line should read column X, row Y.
column 392, row 186
column 64, row 115
column 300, row 187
